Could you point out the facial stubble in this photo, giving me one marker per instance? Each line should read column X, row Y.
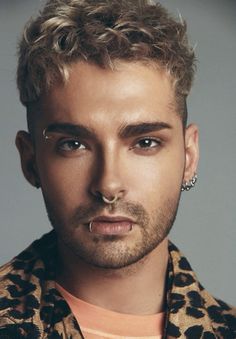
column 113, row 252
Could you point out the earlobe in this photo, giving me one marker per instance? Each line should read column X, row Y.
column 25, row 147
column 191, row 152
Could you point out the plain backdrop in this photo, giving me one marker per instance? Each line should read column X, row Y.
column 205, row 229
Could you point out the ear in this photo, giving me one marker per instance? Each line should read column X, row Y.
column 25, row 147
column 191, row 152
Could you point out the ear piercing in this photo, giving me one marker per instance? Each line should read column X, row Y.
column 187, row 185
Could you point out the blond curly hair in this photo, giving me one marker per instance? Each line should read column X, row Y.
column 101, row 32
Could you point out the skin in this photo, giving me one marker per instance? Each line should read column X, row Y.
column 144, row 170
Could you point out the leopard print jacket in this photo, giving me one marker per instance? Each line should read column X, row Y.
column 31, row 307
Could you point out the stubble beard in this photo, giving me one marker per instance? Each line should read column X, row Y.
column 113, row 252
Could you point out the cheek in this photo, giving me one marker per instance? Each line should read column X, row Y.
column 158, row 176
column 64, row 182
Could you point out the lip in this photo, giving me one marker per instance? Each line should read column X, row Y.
column 112, row 219
column 107, row 225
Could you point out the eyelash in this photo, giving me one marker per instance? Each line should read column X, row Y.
column 70, row 143
column 149, row 139
column 157, row 141
column 74, row 145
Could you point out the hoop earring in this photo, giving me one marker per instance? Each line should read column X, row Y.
column 186, row 186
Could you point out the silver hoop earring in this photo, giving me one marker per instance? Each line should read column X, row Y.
column 186, row 186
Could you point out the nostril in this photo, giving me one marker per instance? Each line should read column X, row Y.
column 98, row 195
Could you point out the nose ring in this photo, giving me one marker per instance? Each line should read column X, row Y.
column 107, row 201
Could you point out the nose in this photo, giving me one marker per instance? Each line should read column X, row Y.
column 108, row 181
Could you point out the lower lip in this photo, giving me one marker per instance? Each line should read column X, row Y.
column 111, row 228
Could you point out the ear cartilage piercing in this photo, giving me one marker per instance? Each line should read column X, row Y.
column 186, row 186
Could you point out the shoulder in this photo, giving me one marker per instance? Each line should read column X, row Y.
column 193, row 310
column 223, row 317
column 21, row 280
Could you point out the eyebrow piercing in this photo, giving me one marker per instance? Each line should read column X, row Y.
column 46, row 137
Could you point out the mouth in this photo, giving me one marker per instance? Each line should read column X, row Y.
column 110, row 225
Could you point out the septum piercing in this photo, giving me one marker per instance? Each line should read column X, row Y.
column 107, row 201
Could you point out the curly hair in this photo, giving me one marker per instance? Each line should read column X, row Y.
column 101, row 32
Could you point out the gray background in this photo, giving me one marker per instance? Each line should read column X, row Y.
column 205, row 227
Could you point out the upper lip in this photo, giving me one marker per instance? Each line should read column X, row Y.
column 112, row 219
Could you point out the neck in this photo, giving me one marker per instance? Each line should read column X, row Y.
column 137, row 289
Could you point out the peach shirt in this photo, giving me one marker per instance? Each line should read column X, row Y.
column 98, row 323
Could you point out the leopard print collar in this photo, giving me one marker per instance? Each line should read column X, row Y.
column 31, row 307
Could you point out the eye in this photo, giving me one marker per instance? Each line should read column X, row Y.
column 147, row 143
column 70, row 145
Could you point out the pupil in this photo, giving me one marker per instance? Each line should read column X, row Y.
column 146, row 142
column 73, row 144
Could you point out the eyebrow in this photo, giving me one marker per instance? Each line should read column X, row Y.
column 126, row 131
column 133, row 130
column 70, row 129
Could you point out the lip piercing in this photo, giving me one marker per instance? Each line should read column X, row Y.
column 107, row 201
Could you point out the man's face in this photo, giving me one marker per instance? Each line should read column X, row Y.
column 111, row 133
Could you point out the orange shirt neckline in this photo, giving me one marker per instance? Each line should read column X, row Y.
column 96, row 318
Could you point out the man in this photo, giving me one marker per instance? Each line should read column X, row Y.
column 105, row 86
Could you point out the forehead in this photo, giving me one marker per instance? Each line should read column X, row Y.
column 132, row 91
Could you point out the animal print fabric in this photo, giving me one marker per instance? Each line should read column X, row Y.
column 32, row 308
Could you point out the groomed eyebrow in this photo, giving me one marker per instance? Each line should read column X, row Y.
column 70, row 129
column 128, row 131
